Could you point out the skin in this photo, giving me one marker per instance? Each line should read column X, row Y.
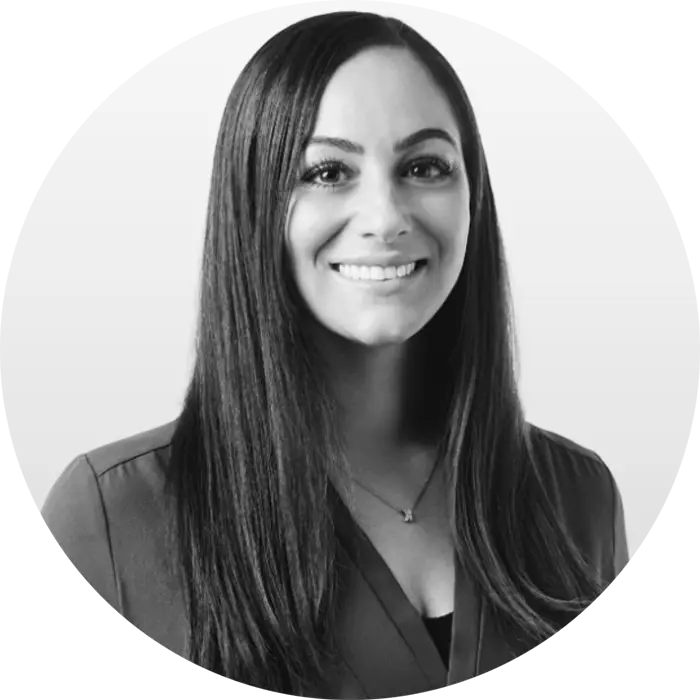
column 383, row 201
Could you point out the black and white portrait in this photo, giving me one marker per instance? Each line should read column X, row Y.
column 349, row 353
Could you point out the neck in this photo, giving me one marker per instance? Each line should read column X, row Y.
column 380, row 392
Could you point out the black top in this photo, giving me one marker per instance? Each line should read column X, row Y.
column 111, row 514
column 440, row 629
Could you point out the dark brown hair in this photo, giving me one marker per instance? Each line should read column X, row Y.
column 255, row 445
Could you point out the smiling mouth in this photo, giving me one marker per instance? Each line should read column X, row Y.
column 418, row 265
column 408, row 274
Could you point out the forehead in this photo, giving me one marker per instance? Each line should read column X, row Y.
column 382, row 94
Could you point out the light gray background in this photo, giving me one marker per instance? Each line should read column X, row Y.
column 101, row 296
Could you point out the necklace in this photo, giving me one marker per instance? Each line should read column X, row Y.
column 407, row 513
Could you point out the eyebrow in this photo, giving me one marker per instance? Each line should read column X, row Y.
column 401, row 145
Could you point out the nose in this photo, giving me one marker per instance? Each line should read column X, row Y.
column 382, row 212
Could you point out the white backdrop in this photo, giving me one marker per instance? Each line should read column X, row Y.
column 100, row 297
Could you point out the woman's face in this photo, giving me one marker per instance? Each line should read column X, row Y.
column 378, row 222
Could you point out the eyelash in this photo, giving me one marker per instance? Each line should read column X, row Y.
column 445, row 170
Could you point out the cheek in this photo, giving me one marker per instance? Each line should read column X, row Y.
column 445, row 215
column 448, row 209
column 311, row 224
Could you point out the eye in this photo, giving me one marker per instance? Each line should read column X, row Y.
column 329, row 173
column 334, row 168
column 443, row 169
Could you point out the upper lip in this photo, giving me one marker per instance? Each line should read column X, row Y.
column 387, row 260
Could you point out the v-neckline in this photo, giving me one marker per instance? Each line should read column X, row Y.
column 467, row 621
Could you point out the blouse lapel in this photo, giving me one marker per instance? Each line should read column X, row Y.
column 382, row 638
column 467, row 628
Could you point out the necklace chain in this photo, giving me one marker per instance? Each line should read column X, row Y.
column 407, row 513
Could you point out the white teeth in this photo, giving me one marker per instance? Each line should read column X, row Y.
column 375, row 272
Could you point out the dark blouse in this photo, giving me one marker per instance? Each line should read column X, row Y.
column 110, row 514
column 440, row 629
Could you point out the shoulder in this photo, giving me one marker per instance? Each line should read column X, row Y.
column 570, row 465
column 133, row 469
column 586, row 494
column 110, row 502
column 124, row 471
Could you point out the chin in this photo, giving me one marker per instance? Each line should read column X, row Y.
column 378, row 333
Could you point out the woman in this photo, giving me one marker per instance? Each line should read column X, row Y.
column 350, row 503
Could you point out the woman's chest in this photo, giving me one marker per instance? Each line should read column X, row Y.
column 419, row 554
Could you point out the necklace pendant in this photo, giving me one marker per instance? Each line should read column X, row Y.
column 407, row 515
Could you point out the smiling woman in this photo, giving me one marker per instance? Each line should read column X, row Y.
column 351, row 503
column 383, row 194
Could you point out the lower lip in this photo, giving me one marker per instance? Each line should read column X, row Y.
column 386, row 286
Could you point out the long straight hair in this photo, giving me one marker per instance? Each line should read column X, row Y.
column 256, row 447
